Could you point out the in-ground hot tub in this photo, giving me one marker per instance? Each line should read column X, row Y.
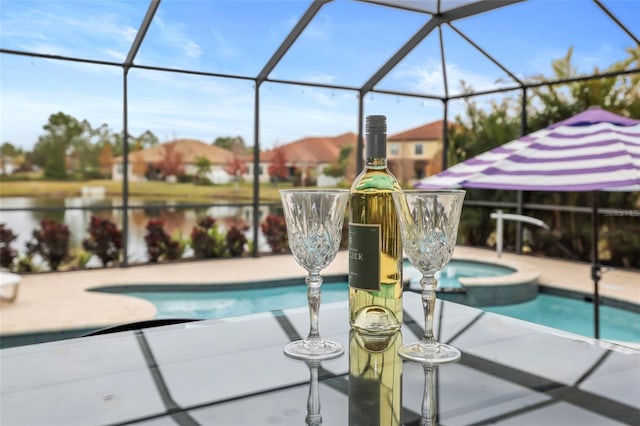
column 478, row 282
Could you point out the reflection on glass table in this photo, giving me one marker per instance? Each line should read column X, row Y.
column 233, row 372
column 375, row 379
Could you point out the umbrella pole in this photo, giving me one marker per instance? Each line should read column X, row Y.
column 595, row 267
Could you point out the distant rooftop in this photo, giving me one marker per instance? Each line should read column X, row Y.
column 429, row 131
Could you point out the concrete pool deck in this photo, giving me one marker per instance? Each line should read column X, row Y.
column 60, row 301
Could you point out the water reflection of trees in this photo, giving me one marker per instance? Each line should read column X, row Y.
column 178, row 220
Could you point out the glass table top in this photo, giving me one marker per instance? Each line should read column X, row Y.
column 233, row 372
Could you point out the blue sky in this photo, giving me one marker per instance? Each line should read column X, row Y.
column 345, row 44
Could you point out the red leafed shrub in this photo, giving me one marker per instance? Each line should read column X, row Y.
column 159, row 244
column 235, row 241
column 7, row 253
column 274, row 229
column 206, row 240
column 105, row 240
column 51, row 242
column 278, row 170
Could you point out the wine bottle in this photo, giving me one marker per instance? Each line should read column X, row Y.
column 375, row 245
column 375, row 379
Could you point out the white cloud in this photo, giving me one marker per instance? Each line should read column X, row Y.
column 48, row 48
column 173, row 35
column 428, row 78
column 55, row 30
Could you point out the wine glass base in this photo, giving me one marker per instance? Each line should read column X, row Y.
column 326, row 349
column 429, row 352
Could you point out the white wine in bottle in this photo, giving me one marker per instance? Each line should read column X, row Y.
column 375, row 245
column 375, row 379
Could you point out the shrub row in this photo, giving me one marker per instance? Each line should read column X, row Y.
column 50, row 243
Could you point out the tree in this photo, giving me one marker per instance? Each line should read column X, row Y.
column 171, row 162
column 105, row 160
column 138, row 166
column 51, row 149
column 483, row 129
column 235, row 144
column 620, row 95
column 146, row 140
column 236, row 167
column 8, row 151
column 203, row 165
column 69, row 144
column 339, row 167
column 278, row 169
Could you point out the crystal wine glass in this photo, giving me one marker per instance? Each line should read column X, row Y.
column 314, row 227
column 429, row 227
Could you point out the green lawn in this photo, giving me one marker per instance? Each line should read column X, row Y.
column 174, row 191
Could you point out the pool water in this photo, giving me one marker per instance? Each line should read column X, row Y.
column 448, row 277
column 576, row 316
column 227, row 303
column 563, row 313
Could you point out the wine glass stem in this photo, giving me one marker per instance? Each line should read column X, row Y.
column 314, row 280
column 429, row 397
column 428, row 284
column 313, row 400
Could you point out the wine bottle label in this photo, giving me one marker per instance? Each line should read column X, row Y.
column 364, row 256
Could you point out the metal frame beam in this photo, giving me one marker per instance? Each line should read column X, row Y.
column 142, row 32
column 445, row 17
column 302, row 23
column 617, row 21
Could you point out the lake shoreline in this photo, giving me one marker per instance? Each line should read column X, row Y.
column 243, row 192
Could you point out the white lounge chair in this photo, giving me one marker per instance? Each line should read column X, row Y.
column 9, row 283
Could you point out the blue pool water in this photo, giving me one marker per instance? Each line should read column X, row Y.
column 448, row 277
column 563, row 313
column 225, row 303
column 576, row 316
column 228, row 303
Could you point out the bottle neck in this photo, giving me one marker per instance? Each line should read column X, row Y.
column 376, row 150
column 376, row 162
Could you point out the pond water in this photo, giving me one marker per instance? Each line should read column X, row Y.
column 177, row 220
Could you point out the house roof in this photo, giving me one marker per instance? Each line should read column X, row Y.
column 429, row 131
column 190, row 149
column 321, row 149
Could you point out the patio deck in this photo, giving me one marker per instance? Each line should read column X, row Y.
column 59, row 301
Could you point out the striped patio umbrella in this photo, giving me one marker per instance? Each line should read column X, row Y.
column 591, row 151
column 594, row 150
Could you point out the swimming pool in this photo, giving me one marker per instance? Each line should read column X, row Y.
column 563, row 313
column 576, row 316
column 175, row 302
column 227, row 303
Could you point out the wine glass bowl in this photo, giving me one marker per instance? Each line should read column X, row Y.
column 429, row 227
column 314, row 220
